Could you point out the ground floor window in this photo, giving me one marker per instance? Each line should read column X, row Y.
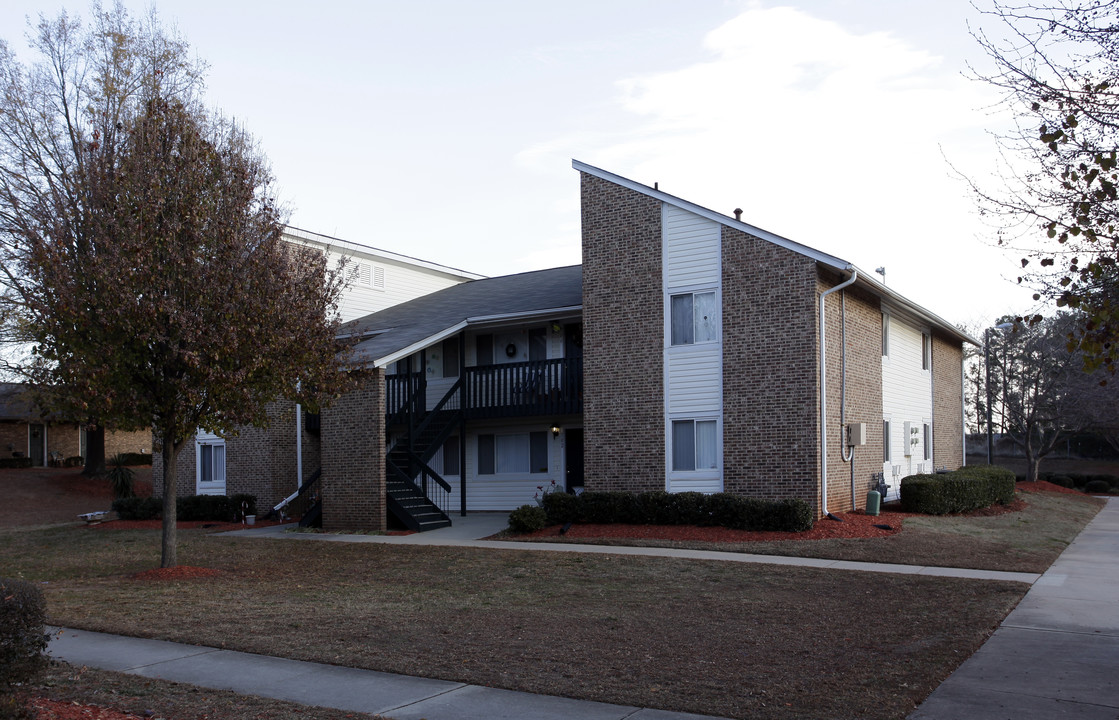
column 513, row 453
column 695, row 445
column 211, row 466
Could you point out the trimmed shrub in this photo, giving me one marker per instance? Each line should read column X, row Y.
column 22, row 639
column 137, row 508
column 20, row 462
column 1078, row 479
column 1063, row 480
column 529, row 518
column 1097, row 487
column 218, row 508
column 687, row 508
column 561, row 508
column 961, row 491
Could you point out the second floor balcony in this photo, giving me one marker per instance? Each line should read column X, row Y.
column 522, row 389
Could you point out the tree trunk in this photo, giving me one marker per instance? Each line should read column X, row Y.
column 169, row 555
column 94, row 451
column 1033, row 459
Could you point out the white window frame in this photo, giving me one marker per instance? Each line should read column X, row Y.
column 718, row 449
column 497, row 464
column 717, row 321
column 217, row 483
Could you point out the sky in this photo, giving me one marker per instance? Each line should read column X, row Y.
column 445, row 130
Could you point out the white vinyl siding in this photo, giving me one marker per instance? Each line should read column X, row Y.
column 508, row 490
column 376, row 282
column 693, row 355
column 692, row 248
column 906, row 399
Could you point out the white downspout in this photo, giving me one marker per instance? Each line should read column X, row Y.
column 824, row 387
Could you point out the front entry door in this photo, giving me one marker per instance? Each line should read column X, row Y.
column 37, row 443
column 573, row 459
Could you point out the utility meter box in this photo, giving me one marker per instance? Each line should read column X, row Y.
column 856, row 434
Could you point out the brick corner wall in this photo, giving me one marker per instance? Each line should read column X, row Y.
column 353, row 457
column 864, row 391
column 623, row 338
column 948, row 410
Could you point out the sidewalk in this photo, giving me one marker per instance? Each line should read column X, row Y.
column 399, row 697
column 1056, row 655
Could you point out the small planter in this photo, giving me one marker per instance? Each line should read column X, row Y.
column 250, row 519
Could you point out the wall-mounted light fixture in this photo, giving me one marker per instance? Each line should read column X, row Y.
column 555, row 429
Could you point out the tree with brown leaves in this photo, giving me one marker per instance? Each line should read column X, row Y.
column 144, row 260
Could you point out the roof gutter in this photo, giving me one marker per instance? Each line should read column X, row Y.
column 824, row 388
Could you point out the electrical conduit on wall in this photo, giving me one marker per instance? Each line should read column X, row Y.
column 824, row 387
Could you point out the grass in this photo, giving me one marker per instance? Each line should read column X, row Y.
column 748, row 641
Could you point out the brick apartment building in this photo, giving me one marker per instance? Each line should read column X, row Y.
column 685, row 353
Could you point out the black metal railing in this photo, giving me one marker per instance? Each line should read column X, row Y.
column 536, row 387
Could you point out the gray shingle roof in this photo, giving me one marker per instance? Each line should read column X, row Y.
column 402, row 326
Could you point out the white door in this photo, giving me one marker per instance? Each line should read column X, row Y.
column 211, row 467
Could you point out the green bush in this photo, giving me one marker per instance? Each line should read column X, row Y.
column 138, row 508
column 529, row 518
column 217, row 508
column 561, row 508
column 969, row 488
column 1097, row 487
column 1078, row 479
column 1063, row 480
column 21, row 462
column 121, row 478
column 687, row 508
column 22, row 640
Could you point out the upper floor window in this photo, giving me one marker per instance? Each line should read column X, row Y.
column 450, row 357
column 694, row 318
column 885, row 335
column 926, row 351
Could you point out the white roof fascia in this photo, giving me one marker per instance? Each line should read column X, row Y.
column 835, row 263
column 528, row 315
column 892, row 299
column 419, row 345
column 470, row 322
column 821, row 257
column 338, row 243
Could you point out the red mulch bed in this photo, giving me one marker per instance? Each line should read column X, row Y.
column 182, row 525
column 1044, row 486
column 57, row 710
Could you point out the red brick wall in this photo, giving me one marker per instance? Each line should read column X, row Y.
column 623, row 338
column 353, row 458
column 258, row 461
column 769, row 369
column 864, row 390
column 948, row 430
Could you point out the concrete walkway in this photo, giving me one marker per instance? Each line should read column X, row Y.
column 396, row 696
column 1057, row 653
column 468, row 532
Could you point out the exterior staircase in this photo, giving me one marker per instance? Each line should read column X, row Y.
column 410, row 482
